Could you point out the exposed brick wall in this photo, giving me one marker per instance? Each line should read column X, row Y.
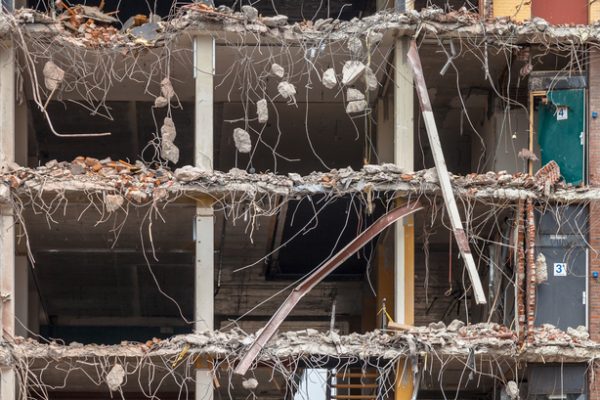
column 594, row 179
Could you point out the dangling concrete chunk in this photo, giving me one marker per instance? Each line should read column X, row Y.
column 286, row 90
column 371, row 79
column 166, row 89
column 242, row 141
column 53, row 75
column 113, row 202
column 352, row 71
column 115, row 378
column 169, row 151
column 250, row 13
column 250, row 384
column 277, row 70
column 354, row 95
column 356, row 106
column 160, row 102
column 355, row 46
column 262, row 111
column 541, row 269
column 328, row 79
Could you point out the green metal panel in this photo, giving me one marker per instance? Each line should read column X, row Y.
column 560, row 132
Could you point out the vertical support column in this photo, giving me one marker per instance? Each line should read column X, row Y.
column 203, row 158
column 404, row 158
column 404, row 273
column 7, row 236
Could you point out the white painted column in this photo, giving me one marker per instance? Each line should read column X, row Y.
column 7, row 235
column 203, row 157
column 404, row 158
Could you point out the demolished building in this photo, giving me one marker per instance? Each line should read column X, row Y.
column 420, row 178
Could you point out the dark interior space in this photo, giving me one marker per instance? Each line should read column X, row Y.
column 133, row 126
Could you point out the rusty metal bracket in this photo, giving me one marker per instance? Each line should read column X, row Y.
column 442, row 170
column 317, row 276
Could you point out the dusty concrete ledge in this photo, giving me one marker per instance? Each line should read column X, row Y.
column 222, row 20
column 454, row 340
column 140, row 184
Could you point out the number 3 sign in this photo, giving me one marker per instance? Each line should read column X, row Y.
column 560, row 269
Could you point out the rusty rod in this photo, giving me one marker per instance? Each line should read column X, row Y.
column 317, row 276
column 442, row 171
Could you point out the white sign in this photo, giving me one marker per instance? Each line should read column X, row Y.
column 562, row 113
column 560, row 269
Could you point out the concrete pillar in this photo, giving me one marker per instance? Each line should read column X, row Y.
column 404, row 158
column 7, row 235
column 404, row 246
column 203, row 156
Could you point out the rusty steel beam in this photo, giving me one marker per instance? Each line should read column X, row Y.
column 442, row 171
column 317, row 276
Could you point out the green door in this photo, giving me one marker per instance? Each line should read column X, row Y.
column 560, row 132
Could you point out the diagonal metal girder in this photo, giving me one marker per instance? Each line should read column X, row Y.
column 317, row 276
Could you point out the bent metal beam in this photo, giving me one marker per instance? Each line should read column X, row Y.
column 442, row 171
column 317, row 276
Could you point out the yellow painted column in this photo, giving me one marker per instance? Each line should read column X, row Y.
column 404, row 246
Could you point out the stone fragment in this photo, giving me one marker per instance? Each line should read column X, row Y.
column 250, row 384
column 328, row 79
column 250, row 13
column 355, row 46
column 115, row 378
column 167, row 130
column 354, row 95
column 188, row 173
column 354, row 107
column 541, row 269
column 455, row 325
column 277, row 70
column 242, row 141
column 286, row 90
column 113, row 202
column 169, row 151
column 53, row 75
column 371, row 79
column 262, row 111
column 580, row 333
column 166, row 89
column 160, row 102
column 351, row 71
column 275, row 21
column 512, row 390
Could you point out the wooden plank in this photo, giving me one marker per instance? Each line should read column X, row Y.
column 443, row 176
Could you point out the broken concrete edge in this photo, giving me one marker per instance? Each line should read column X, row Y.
column 462, row 341
column 455, row 24
column 162, row 184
